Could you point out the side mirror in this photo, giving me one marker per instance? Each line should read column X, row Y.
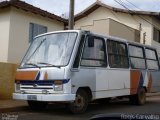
column 90, row 41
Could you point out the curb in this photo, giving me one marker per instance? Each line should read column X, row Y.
column 153, row 94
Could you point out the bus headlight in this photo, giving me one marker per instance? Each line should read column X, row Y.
column 58, row 85
column 58, row 88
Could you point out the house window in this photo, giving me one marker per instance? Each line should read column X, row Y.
column 36, row 29
column 156, row 34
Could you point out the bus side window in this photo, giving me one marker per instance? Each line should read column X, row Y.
column 137, row 57
column 77, row 59
column 90, row 41
column 94, row 54
column 117, row 54
column 151, row 59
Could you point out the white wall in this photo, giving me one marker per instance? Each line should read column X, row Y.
column 4, row 34
column 98, row 26
column 156, row 23
column 19, row 32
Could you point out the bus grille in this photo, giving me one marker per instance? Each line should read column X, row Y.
column 36, row 86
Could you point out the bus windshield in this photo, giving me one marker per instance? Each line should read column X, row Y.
column 50, row 50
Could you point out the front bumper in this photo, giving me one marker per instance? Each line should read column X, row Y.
column 46, row 97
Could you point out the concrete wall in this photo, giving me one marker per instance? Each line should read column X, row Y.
column 4, row 34
column 122, row 31
column 99, row 26
column 113, row 28
column 132, row 21
column 19, row 32
column 7, row 77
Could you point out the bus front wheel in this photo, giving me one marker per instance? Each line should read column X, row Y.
column 139, row 98
column 80, row 104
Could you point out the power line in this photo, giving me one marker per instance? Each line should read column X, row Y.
column 123, row 3
column 134, row 5
column 132, row 11
column 120, row 3
column 138, row 15
column 129, row 28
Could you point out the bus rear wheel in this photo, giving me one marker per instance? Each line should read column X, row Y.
column 37, row 105
column 80, row 104
column 139, row 98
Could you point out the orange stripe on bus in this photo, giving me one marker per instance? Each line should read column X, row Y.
column 135, row 76
column 150, row 83
column 26, row 75
column 46, row 76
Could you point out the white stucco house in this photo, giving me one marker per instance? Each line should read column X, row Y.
column 19, row 23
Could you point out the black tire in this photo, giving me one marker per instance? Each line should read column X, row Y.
column 138, row 99
column 37, row 105
column 80, row 104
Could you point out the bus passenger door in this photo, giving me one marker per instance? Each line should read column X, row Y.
column 94, row 59
column 118, row 70
column 92, row 70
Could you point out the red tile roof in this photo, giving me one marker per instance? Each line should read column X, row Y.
column 98, row 4
column 30, row 8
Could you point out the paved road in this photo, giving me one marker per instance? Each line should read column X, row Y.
column 58, row 112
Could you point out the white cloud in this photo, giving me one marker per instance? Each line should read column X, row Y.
column 53, row 6
column 62, row 6
column 82, row 4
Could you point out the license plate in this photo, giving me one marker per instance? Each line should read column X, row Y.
column 31, row 97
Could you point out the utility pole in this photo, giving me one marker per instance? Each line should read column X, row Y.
column 71, row 15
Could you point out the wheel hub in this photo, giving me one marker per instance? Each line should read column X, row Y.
column 79, row 102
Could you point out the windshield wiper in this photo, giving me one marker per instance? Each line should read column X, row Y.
column 51, row 65
column 33, row 64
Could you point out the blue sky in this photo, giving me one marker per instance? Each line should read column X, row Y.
column 62, row 6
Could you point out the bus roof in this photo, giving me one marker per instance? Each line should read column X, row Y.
column 104, row 36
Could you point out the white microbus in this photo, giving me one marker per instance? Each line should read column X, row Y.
column 76, row 67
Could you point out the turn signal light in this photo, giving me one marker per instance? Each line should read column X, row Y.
column 58, row 82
